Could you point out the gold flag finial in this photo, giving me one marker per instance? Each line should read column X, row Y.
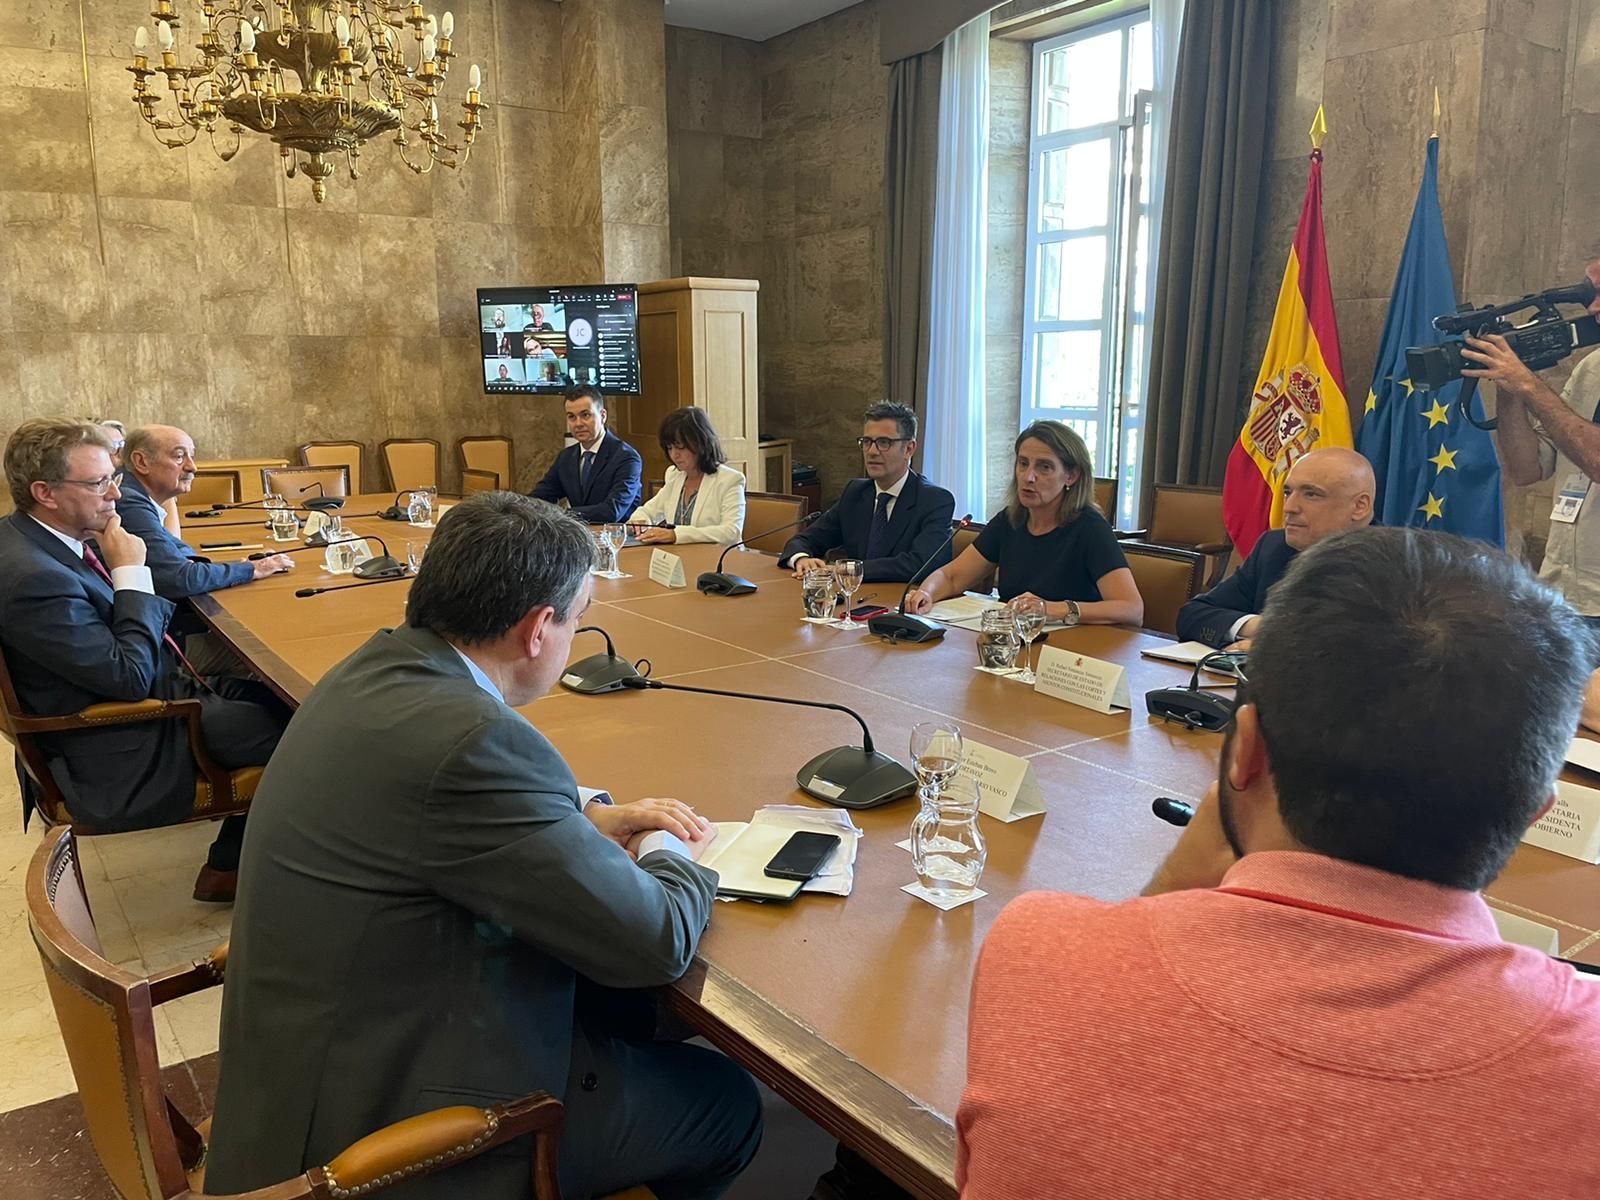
column 1319, row 129
column 1436, row 111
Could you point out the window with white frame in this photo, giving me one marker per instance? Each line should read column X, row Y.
column 1085, row 322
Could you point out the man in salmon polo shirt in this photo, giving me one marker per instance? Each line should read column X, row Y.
column 1311, row 1000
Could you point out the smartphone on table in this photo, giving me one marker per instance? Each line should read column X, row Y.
column 802, row 856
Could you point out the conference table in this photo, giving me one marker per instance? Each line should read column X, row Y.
column 854, row 1009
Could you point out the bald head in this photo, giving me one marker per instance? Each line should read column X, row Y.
column 1326, row 492
column 161, row 457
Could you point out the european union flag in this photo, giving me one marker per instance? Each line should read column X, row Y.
column 1435, row 468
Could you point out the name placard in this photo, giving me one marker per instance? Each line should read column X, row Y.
column 1572, row 826
column 1079, row 679
column 667, row 569
column 1007, row 789
column 1523, row 932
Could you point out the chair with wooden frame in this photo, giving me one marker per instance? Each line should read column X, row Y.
column 473, row 482
column 217, row 792
column 764, row 511
column 410, row 463
column 336, row 454
column 214, row 487
column 1105, row 498
column 148, row 1149
column 292, row 482
column 489, row 453
column 1189, row 518
column 1168, row 578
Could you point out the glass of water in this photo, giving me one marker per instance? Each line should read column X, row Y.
column 616, row 534
column 420, row 509
column 849, row 572
column 1028, row 613
column 819, row 588
column 285, row 526
column 947, row 847
column 602, row 554
column 415, row 550
column 998, row 641
column 936, row 749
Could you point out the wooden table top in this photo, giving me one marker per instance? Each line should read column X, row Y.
column 852, row 1008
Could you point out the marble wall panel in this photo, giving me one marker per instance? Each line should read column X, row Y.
column 46, row 145
column 255, row 411
column 128, row 161
column 633, row 154
column 694, row 66
column 699, row 196
column 1357, row 26
column 398, row 269
column 1580, row 232
column 632, row 54
column 739, row 88
column 325, row 272
column 1299, row 56
column 42, row 25
column 743, row 183
column 636, row 253
column 152, row 265
column 541, row 186
column 60, row 373
column 24, row 66
column 244, row 269
column 473, row 192
column 469, row 255
column 1542, row 22
column 50, row 261
column 529, row 44
column 1584, row 58
column 254, row 175
column 387, row 185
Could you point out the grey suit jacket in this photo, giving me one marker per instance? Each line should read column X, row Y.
column 70, row 642
column 418, row 894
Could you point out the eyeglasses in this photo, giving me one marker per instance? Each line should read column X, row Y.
column 98, row 486
column 879, row 444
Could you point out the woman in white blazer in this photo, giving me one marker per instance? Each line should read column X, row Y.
column 703, row 497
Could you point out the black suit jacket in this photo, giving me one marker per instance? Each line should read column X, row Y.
column 613, row 490
column 1209, row 616
column 70, row 642
column 176, row 570
column 418, row 896
column 919, row 522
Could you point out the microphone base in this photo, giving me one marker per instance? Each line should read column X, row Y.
column 720, row 583
column 903, row 627
column 323, row 503
column 851, row 777
column 596, row 674
column 383, row 566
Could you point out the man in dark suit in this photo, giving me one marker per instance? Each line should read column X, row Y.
column 80, row 624
column 160, row 467
column 1326, row 492
column 892, row 520
column 415, row 930
column 599, row 477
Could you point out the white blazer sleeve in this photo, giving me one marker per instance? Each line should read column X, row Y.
column 719, row 513
column 663, row 504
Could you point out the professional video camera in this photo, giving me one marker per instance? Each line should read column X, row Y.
column 1541, row 341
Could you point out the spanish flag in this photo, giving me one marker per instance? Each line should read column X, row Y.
column 1299, row 401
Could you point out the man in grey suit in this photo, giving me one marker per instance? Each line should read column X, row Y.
column 80, row 624
column 424, row 893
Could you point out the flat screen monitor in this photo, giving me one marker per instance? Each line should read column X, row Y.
column 543, row 340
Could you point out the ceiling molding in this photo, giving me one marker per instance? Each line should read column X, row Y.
column 754, row 20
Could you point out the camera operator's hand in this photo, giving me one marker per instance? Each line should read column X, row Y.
column 1499, row 363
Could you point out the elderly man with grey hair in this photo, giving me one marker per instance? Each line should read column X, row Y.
column 427, row 903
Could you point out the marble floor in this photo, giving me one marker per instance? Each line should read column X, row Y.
column 138, row 885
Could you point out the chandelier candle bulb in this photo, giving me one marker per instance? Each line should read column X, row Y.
column 164, row 36
column 141, row 42
column 448, row 25
column 341, row 30
column 474, row 81
column 247, row 37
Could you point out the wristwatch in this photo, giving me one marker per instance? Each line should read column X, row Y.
column 1073, row 614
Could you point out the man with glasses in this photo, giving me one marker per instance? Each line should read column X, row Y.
column 81, row 624
column 160, row 467
column 892, row 520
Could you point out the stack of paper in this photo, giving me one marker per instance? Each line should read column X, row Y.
column 1187, row 653
column 744, row 848
column 966, row 611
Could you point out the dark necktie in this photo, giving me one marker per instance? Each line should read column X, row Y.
column 878, row 531
column 99, row 568
column 584, row 468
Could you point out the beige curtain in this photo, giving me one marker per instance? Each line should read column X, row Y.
column 908, row 186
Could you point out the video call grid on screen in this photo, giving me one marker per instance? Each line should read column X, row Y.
column 545, row 340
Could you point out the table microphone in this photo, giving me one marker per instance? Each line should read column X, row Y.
column 847, row 776
column 394, row 512
column 1175, row 812
column 901, row 626
column 345, row 587
column 380, row 566
column 321, row 502
column 720, row 583
column 599, row 672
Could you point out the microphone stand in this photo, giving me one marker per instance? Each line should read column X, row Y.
column 321, row 502
column 379, row 567
column 720, row 583
column 901, row 626
column 846, row 776
column 345, row 587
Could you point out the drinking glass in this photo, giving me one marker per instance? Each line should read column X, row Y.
column 602, row 554
column 998, row 641
column 936, row 755
column 818, row 588
column 848, row 571
column 274, row 500
column 340, row 557
column 616, row 534
column 947, row 847
column 1028, row 613
column 285, row 527
column 419, row 510
column 414, row 554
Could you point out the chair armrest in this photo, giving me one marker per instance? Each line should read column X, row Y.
column 1213, row 547
column 199, row 975
column 1124, row 534
column 130, row 712
column 434, row 1140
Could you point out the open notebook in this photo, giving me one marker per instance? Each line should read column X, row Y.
column 744, row 848
column 966, row 611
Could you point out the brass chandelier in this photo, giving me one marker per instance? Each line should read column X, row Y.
column 357, row 79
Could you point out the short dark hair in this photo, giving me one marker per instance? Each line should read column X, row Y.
column 690, row 428
column 494, row 558
column 1416, row 693
column 887, row 410
column 1073, row 453
column 38, row 450
column 585, row 391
